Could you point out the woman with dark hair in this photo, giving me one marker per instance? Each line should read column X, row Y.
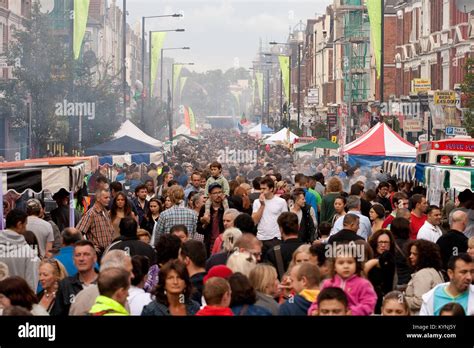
column 381, row 269
column 137, row 297
column 400, row 228
column 339, row 208
column 452, row 309
column 120, row 208
column 244, row 296
column 148, row 223
column 167, row 248
column 425, row 259
column 15, row 291
column 392, row 189
column 377, row 216
column 173, row 292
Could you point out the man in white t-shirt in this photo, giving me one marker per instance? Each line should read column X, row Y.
column 42, row 230
column 266, row 211
column 430, row 229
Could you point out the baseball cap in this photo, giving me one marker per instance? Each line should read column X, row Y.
column 213, row 186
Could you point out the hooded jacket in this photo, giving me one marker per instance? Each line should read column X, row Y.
column 20, row 258
column 105, row 306
column 360, row 293
column 428, row 306
column 299, row 304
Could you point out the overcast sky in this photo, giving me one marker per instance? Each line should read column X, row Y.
column 222, row 33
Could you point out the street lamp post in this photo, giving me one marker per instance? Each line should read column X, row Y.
column 161, row 66
column 124, row 58
column 143, row 57
column 170, row 120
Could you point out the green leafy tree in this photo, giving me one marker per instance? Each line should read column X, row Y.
column 467, row 89
column 46, row 74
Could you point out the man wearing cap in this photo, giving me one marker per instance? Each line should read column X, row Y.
column 212, row 225
column 42, row 230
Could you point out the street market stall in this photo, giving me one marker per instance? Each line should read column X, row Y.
column 378, row 144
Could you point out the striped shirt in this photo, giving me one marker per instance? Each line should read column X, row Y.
column 97, row 227
column 175, row 216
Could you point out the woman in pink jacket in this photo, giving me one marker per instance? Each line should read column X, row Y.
column 346, row 274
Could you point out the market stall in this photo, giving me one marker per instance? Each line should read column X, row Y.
column 378, row 144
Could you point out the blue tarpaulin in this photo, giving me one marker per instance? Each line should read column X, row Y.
column 374, row 161
column 121, row 146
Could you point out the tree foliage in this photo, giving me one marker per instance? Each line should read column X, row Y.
column 467, row 89
column 46, row 73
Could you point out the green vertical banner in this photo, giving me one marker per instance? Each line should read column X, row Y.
column 192, row 119
column 285, row 74
column 374, row 8
column 237, row 98
column 259, row 77
column 182, row 82
column 157, row 40
column 176, row 73
column 81, row 14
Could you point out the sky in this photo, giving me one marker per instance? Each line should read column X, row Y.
column 222, row 34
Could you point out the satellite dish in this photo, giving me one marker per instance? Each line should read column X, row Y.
column 465, row 6
column 47, row 6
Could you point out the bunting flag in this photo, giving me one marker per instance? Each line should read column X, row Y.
column 157, row 40
column 192, row 120
column 81, row 14
column 176, row 73
column 182, row 82
column 259, row 77
column 285, row 74
column 374, row 8
column 187, row 121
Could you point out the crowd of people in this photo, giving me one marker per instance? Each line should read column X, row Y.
column 198, row 235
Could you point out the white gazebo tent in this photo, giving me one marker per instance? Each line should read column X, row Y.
column 129, row 129
column 284, row 136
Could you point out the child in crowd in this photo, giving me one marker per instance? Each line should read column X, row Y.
column 332, row 302
column 216, row 177
column 346, row 273
column 470, row 247
column 395, row 304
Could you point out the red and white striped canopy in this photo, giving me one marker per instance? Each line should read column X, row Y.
column 381, row 140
